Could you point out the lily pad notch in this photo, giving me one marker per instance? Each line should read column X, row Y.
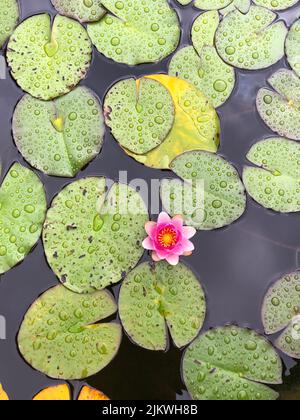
column 47, row 59
column 62, row 136
column 61, row 336
column 157, row 298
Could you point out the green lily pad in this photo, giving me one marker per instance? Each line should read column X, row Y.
column 59, row 137
column 281, row 312
column 82, row 10
column 207, row 72
column 155, row 298
column 133, row 33
column 61, row 335
column 275, row 182
column 280, row 110
column 212, row 4
column 201, row 65
column 251, row 41
column 231, row 363
column 196, row 125
column 140, row 114
column 212, row 194
column 276, row 4
column 49, row 61
column 22, row 213
column 292, row 47
column 92, row 239
column 9, row 16
column 204, row 30
column 225, row 6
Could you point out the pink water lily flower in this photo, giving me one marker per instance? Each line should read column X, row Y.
column 169, row 239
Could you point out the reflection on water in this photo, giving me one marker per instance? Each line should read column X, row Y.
column 236, row 264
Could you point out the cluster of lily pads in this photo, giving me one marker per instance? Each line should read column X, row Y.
column 93, row 231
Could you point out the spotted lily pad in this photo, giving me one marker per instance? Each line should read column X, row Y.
column 3, row 394
column 22, row 213
column 280, row 110
column 242, row 5
column 201, row 65
column 276, row 4
column 9, row 15
column 59, row 137
column 293, row 47
column 49, row 61
column 92, row 239
column 251, row 41
column 281, row 312
column 155, row 298
column 275, row 183
column 212, row 194
column 63, row 393
column 82, row 10
column 140, row 114
column 61, row 335
column 196, row 125
column 133, row 33
column 231, row 363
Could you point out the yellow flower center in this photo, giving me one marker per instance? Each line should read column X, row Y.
column 167, row 237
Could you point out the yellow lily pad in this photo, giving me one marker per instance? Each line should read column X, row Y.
column 63, row 393
column 3, row 394
column 54, row 393
column 196, row 125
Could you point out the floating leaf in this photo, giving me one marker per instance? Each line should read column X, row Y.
column 22, row 213
column 281, row 312
column 92, row 239
column 206, row 72
column 156, row 297
column 275, row 183
column 132, row 33
column 281, row 111
column 196, row 124
column 201, row 65
column 251, row 41
column 62, row 136
column 48, row 62
column 276, row 4
column 140, row 114
column 61, row 335
column 63, row 393
column 82, row 10
column 242, row 5
column 9, row 15
column 3, row 395
column 293, row 48
column 212, row 4
column 54, row 393
column 221, row 198
column 87, row 393
column 231, row 363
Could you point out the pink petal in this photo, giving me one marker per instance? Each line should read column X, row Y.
column 188, row 246
column 164, row 218
column 155, row 257
column 178, row 222
column 189, row 232
column 162, row 254
column 148, row 244
column 150, row 228
column 173, row 259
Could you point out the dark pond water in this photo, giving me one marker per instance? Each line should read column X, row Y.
column 236, row 265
